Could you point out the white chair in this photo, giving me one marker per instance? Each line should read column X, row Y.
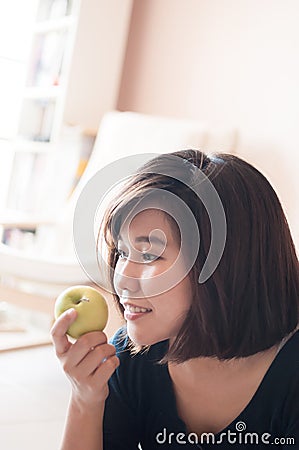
column 38, row 277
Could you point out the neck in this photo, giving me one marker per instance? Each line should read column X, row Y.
column 208, row 368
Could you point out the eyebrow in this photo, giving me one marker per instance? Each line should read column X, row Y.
column 153, row 240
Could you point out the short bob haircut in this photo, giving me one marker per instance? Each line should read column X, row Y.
column 251, row 301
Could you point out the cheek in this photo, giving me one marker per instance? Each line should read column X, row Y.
column 150, row 271
column 148, row 282
column 184, row 292
column 157, row 280
column 175, row 303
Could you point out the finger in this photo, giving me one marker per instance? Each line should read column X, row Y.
column 96, row 357
column 86, row 343
column 59, row 329
column 106, row 369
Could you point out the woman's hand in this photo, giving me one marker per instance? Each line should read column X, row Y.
column 88, row 363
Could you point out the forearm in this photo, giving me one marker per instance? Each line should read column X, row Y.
column 84, row 427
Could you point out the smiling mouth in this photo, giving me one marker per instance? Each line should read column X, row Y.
column 136, row 309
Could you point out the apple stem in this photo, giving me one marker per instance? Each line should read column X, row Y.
column 84, row 299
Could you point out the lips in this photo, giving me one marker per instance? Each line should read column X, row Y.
column 133, row 312
column 130, row 307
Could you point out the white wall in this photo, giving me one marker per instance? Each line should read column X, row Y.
column 230, row 62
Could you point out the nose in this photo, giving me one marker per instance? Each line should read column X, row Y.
column 127, row 278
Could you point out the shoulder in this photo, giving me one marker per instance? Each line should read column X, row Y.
column 283, row 390
column 283, row 374
column 288, row 356
column 290, row 405
column 289, row 363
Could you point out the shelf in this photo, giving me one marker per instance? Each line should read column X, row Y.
column 27, row 145
column 51, row 92
column 54, row 24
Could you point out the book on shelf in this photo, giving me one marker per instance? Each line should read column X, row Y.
column 37, row 118
column 26, row 184
column 47, row 56
column 52, row 9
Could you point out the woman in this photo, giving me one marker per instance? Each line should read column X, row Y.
column 199, row 364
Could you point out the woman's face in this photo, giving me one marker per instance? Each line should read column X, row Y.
column 156, row 299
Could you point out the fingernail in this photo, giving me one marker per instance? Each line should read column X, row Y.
column 70, row 312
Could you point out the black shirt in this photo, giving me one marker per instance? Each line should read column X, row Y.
column 141, row 405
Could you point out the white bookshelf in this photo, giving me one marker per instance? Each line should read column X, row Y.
column 73, row 74
column 48, row 69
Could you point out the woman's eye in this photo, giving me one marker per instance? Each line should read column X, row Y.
column 149, row 257
column 145, row 257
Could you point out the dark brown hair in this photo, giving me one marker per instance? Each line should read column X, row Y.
column 251, row 301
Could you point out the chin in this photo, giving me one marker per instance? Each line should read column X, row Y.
column 144, row 339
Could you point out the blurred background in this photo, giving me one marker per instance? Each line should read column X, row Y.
column 65, row 65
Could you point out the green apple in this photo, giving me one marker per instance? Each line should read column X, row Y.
column 90, row 305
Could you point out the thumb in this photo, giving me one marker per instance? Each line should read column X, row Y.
column 59, row 330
